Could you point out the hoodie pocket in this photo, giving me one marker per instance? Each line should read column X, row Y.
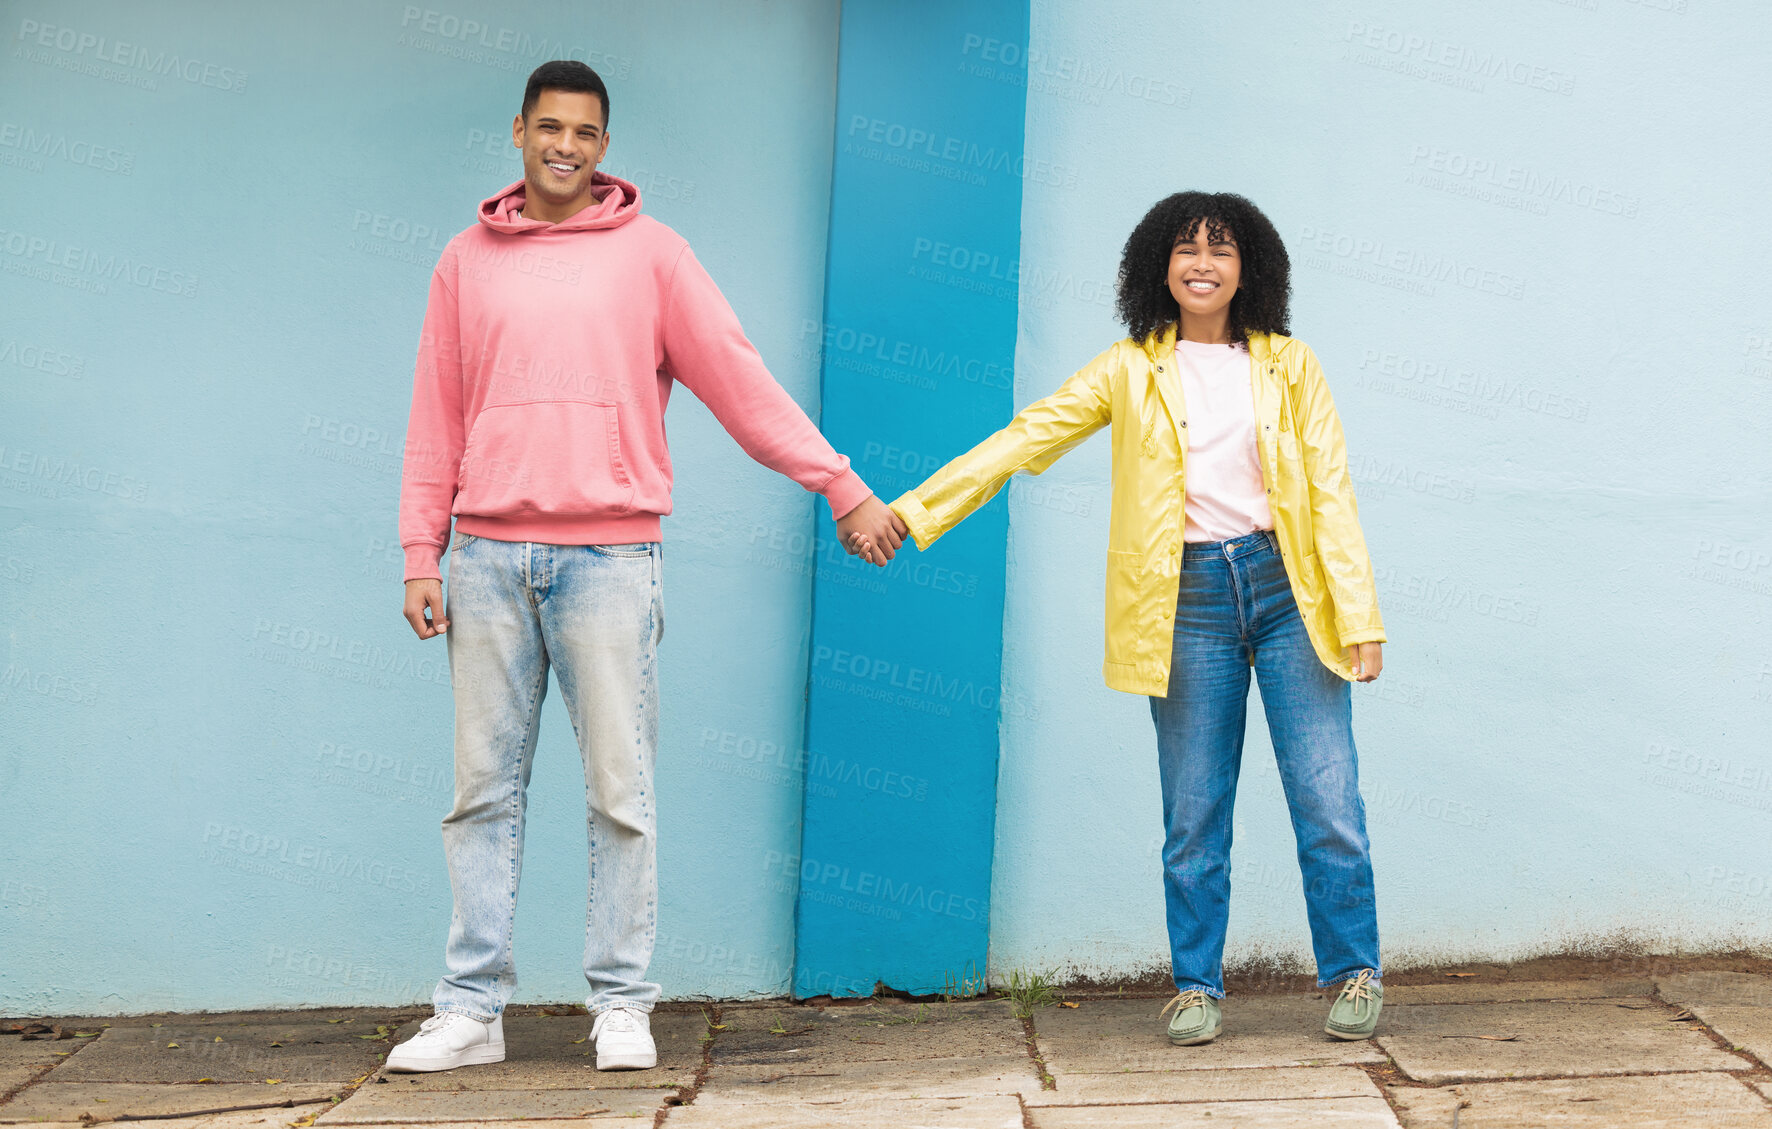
column 545, row 457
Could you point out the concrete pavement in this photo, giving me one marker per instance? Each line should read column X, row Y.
column 1675, row 1050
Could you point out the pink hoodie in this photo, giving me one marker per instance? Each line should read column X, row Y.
column 543, row 371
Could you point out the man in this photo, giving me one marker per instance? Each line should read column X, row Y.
column 555, row 328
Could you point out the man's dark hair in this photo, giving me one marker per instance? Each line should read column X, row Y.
column 1264, row 290
column 565, row 74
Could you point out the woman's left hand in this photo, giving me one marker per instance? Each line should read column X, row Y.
column 1367, row 660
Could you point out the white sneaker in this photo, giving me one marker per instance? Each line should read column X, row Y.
column 624, row 1040
column 448, row 1040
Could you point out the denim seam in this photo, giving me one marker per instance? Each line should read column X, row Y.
column 532, row 710
column 648, row 711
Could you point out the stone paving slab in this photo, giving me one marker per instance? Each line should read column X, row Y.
column 1230, row 1084
column 1588, row 1037
column 917, row 1078
column 346, row 1016
column 227, row 1053
column 600, row 1121
column 556, row 1053
column 710, row 1112
column 1731, row 989
column 66, row 1101
column 1462, row 992
column 22, row 1060
column 879, row 1030
column 1110, row 1036
column 387, row 1103
column 241, row 1119
column 1337, row 1113
column 1746, row 1028
column 290, row 1032
column 1664, row 1101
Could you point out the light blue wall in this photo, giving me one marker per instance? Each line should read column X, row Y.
column 198, row 488
column 1560, row 456
column 1564, row 485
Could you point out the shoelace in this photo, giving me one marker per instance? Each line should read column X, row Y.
column 621, row 1020
column 1193, row 997
column 436, row 1022
column 1359, row 988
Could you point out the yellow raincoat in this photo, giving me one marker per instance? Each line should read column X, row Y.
column 1135, row 387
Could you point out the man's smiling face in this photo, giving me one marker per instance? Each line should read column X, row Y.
column 563, row 140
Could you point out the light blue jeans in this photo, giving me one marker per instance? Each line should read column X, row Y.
column 594, row 614
column 1235, row 613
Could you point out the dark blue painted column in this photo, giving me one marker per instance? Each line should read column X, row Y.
column 918, row 343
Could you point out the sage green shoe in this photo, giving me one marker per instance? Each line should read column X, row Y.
column 1354, row 1014
column 1197, row 1018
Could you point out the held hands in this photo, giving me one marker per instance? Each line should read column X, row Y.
column 872, row 532
column 423, row 596
column 1368, row 660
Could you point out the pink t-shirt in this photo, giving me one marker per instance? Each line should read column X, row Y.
column 1225, row 493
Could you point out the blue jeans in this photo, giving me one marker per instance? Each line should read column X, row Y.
column 594, row 614
column 1236, row 613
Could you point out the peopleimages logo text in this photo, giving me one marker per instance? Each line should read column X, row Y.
column 118, row 53
column 954, row 150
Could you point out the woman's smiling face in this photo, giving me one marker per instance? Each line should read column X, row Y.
column 1204, row 270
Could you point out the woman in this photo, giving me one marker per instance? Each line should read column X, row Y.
column 1234, row 545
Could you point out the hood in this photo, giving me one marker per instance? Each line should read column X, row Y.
column 499, row 211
